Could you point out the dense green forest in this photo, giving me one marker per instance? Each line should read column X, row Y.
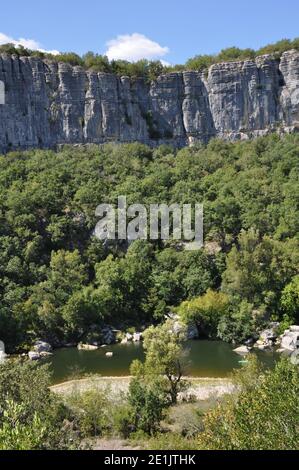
column 58, row 280
column 152, row 69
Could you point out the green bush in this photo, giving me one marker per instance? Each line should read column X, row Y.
column 124, row 421
column 148, row 404
column 31, row 417
column 239, row 324
column 93, row 412
column 263, row 416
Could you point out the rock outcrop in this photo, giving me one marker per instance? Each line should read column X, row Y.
column 178, row 327
column 268, row 338
column 290, row 339
column 48, row 104
column 40, row 350
column 42, row 347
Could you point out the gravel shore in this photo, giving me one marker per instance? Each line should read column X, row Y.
column 200, row 388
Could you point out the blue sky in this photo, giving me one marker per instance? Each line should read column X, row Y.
column 172, row 30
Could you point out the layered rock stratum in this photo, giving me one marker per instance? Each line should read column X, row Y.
column 48, row 104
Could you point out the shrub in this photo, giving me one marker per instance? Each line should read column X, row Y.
column 148, row 404
column 31, row 417
column 93, row 412
column 263, row 416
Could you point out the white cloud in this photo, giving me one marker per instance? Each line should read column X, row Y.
column 165, row 63
column 27, row 43
column 134, row 47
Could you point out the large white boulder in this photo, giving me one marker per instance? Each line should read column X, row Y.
column 242, row 350
column 290, row 339
column 294, row 329
column 137, row 337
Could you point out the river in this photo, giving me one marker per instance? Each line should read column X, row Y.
column 203, row 359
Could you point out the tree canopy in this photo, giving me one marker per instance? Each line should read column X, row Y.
column 150, row 70
column 58, row 280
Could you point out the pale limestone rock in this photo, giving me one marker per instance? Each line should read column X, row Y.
column 290, row 339
column 87, row 347
column 294, row 329
column 242, row 350
column 45, row 354
column 34, row 356
column 137, row 337
column 49, row 104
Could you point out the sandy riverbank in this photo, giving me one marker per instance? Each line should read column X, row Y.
column 200, row 388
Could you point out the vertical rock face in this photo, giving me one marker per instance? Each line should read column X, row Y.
column 244, row 96
column 47, row 104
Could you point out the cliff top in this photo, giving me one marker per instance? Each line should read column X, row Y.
column 152, row 69
column 225, row 65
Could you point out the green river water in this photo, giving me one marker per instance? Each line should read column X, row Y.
column 204, row 359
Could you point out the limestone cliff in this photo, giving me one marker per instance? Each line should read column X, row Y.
column 47, row 104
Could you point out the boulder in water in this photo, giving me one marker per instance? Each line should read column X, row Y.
column 87, row 347
column 137, row 337
column 242, row 350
